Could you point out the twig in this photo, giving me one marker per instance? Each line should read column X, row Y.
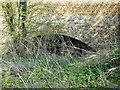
column 112, row 69
column 22, row 79
column 78, row 48
column 45, row 70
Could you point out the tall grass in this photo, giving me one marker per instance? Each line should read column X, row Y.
column 53, row 72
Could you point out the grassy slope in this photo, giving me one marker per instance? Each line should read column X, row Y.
column 46, row 71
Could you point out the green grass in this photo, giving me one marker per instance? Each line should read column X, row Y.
column 63, row 72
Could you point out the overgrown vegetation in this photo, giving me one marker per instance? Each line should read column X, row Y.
column 49, row 71
column 52, row 72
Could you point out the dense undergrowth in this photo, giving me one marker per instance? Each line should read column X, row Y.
column 46, row 71
column 33, row 71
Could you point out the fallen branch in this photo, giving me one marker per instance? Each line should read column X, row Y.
column 78, row 48
column 112, row 69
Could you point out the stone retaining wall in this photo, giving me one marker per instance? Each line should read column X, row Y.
column 99, row 30
column 95, row 30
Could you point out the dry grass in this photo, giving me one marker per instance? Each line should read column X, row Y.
column 82, row 8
